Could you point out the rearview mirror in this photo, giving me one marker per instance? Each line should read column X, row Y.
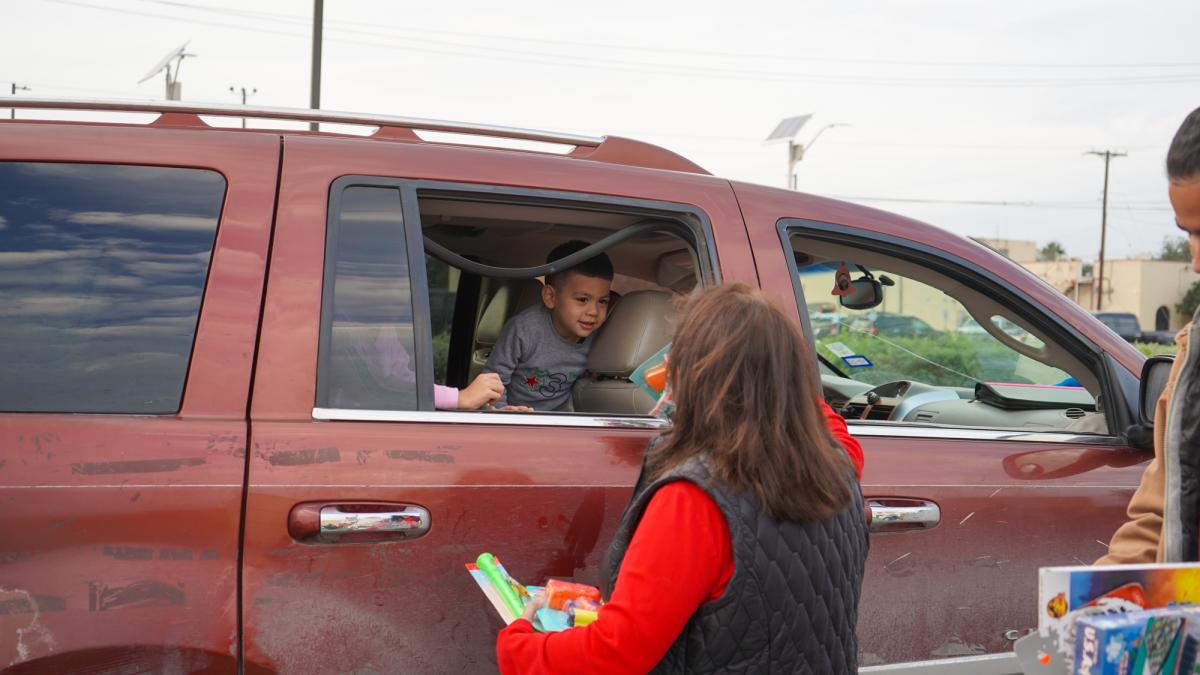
column 864, row 293
column 1155, row 372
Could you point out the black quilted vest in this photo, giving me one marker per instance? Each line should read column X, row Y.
column 791, row 605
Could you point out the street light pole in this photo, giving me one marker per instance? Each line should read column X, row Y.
column 314, row 100
column 796, row 151
column 15, row 88
column 1107, row 155
column 245, row 94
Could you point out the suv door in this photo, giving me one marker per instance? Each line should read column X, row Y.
column 988, row 504
column 541, row 492
column 124, row 395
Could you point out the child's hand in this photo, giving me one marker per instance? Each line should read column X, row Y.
column 484, row 389
column 532, row 607
column 516, row 408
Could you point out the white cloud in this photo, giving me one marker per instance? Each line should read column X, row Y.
column 3, row 222
column 43, row 256
column 156, row 221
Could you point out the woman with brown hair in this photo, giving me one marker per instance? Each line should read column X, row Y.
column 743, row 545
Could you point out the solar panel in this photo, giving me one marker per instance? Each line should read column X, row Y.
column 788, row 128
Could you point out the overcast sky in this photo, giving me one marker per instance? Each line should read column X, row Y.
column 948, row 101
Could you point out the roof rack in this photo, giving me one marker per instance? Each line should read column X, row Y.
column 612, row 149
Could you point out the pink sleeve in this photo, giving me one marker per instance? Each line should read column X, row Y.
column 445, row 398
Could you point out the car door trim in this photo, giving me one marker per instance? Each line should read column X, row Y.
column 489, row 418
column 910, row 430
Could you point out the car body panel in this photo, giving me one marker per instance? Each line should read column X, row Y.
column 544, row 500
column 121, row 531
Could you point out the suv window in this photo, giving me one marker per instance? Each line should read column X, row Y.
column 367, row 355
column 102, row 270
column 920, row 355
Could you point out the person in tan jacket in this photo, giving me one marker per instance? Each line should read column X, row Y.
column 1141, row 539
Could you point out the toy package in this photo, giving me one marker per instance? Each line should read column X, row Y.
column 1152, row 641
column 1068, row 594
column 568, row 604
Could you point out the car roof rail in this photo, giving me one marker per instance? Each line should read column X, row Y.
column 610, row 149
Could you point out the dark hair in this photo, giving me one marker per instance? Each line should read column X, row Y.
column 746, row 394
column 1183, row 157
column 599, row 266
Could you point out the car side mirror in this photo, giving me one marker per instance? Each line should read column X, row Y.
column 1155, row 372
column 864, row 293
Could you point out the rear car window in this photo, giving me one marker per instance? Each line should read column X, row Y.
column 367, row 355
column 102, row 272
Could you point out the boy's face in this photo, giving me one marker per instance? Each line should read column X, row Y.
column 579, row 306
column 1185, row 199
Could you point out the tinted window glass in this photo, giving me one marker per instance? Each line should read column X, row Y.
column 102, row 270
column 367, row 349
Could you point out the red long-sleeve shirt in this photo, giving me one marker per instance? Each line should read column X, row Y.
column 837, row 425
column 680, row 557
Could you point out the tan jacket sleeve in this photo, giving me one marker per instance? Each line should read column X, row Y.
column 1138, row 540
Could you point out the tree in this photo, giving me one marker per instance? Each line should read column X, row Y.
column 1051, row 251
column 1174, row 248
column 1187, row 306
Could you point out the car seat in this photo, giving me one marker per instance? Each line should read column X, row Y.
column 510, row 297
column 640, row 325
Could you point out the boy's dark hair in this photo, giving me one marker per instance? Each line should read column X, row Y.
column 1183, row 157
column 599, row 267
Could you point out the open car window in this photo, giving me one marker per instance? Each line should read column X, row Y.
column 932, row 350
column 470, row 305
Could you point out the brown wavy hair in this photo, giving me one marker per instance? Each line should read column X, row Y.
column 746, row 393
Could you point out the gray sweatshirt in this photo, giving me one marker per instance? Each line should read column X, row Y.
column 535, row 363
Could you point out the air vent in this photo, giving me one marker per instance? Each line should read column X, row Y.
column 926, row 416
column 1075, row 413
column 854, row 411
column 880, row 412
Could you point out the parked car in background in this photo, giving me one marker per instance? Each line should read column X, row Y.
column 1126, row 325
column 890, row 324
column 218, row 347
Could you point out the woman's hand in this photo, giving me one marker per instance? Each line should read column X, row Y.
column 484, row 389
column 531, row 608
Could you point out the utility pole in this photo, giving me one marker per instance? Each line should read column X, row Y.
column 245, row 93
column 15, row 88
column 315, row 87
column 1107, row 155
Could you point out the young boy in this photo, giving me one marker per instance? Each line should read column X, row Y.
column 544, row 349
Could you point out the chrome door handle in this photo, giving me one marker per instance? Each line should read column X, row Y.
column 900, row 514
column 348, row 522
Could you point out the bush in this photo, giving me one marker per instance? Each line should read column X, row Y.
column 1155, row 349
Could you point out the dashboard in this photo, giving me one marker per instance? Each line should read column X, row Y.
column 916, row 402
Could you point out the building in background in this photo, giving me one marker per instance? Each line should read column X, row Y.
column 1148, row 288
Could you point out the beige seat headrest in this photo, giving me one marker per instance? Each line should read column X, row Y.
column 640, row 325
column 510, row 298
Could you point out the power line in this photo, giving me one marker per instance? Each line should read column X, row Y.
column 984, row 202
column 674, row 51
column 622, row 65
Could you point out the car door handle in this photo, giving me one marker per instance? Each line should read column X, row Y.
column 350, row 522
column 901, row 514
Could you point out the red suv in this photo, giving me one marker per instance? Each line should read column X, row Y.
column 219, row 348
